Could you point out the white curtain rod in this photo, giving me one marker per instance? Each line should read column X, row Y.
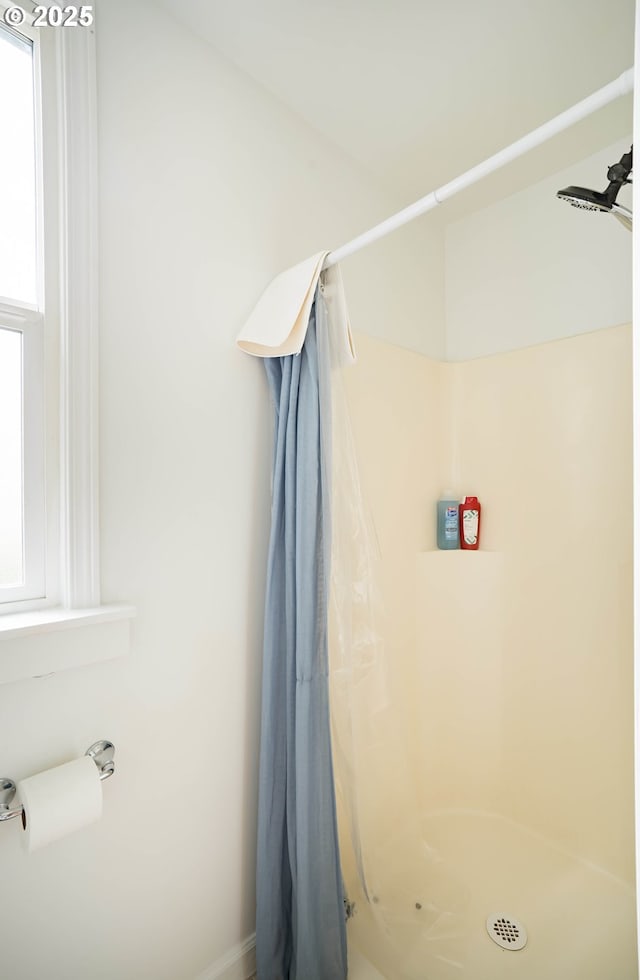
column 614, row 90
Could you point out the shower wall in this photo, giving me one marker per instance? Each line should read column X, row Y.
column 510, row 668
column 395, row 400
column 544, row 437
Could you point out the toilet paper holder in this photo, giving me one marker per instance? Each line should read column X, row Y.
column 102, row 754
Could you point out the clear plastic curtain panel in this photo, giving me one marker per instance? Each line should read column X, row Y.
column 405, row 905
column 375, row 793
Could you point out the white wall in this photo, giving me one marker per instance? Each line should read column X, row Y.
column 530, row 268
column 207, row 189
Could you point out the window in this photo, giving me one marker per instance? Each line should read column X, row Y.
column 22, row 480
column 49, row 556
column 17, row 168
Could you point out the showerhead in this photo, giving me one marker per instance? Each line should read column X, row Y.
column 590, row 200
column 583, row 197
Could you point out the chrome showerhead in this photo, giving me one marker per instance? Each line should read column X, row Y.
column 590, row 200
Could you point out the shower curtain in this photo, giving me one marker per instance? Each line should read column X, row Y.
column 300, row 930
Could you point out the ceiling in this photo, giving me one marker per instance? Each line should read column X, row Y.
column 418, row 91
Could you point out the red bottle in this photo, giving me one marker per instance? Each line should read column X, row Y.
column 469, row 513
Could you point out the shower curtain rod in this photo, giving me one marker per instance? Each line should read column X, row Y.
column 609, row 93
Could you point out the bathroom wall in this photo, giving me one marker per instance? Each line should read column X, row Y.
column 207, row 189
column 531, row 269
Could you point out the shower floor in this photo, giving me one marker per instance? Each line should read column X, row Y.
column 431, row 899
column 360, row 968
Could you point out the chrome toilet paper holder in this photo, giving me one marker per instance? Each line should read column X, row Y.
column 102, row 754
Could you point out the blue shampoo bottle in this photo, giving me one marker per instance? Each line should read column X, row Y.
column 448, row 522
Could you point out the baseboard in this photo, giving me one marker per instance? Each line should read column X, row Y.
column 238, row 964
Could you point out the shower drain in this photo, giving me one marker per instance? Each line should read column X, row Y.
column 507, row 932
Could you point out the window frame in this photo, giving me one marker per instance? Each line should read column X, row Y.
column 71, row 627
column 64, row 74
column 61, row 332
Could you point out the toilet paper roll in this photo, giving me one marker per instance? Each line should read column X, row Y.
column 59, row 801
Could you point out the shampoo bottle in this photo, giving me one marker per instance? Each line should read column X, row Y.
column 470, row 524
column 448, row 522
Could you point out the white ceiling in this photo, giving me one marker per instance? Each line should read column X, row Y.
column 418, row 91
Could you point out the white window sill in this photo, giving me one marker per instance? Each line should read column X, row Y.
column 39, row 643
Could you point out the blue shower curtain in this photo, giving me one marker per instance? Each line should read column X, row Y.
column 300, row 930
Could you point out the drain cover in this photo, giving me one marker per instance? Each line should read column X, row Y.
column 507, row 931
